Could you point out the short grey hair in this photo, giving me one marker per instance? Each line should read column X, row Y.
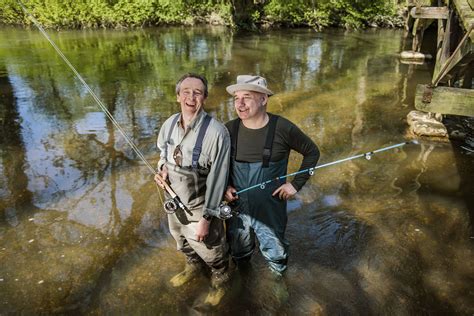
column 192, row 75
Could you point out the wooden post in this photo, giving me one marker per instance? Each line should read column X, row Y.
column 467, row 81
column 429, row 12
column 471, row 4
column 466, row 14
column 446, row 49
column 464, row 49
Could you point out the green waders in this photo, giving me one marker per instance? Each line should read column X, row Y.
column 261, row 215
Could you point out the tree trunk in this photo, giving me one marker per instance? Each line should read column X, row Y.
column 243, row 10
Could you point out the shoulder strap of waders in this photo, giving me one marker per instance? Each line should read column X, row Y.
column 173, row 125
column 234, row 133
column 267, row 150
column 198, row 146
column 170, row 132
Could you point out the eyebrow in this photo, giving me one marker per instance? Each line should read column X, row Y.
column 244, row 95
column 191, row 89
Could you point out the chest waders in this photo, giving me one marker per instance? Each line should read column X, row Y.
column 189, row 183
column 260, row 215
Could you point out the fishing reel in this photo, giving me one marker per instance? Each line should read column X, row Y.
column 227, row 210
column 170, row 206
column 224, row 210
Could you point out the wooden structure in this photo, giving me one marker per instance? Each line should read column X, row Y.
column 450, row 90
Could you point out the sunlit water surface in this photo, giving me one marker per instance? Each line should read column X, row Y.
column 82, row 228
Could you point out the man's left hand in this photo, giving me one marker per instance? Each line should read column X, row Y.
column 285, row 191
column 202, row 229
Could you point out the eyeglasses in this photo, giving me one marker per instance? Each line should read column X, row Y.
column 178, row 156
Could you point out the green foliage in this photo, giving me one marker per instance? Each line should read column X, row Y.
column 296, row 13
column 318, row 14
column 137, row 13
column 358, row 13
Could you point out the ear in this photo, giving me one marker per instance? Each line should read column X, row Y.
column 177, row 98
column 264, row 99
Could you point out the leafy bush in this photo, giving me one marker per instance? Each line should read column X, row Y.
column 319, row 14
column 137, row 13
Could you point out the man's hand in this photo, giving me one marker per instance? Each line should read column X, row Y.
column 202, row 229
column 164, row 174
column 285, row 191
column 229, row 196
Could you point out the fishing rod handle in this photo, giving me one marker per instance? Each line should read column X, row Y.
column 166, row 185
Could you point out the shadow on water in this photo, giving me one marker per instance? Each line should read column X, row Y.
column 464, row 153
column 16, row 198
column 83, row 230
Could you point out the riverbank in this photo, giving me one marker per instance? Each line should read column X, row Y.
column 233, row 14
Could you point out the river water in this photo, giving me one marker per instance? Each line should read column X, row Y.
column 82, row 228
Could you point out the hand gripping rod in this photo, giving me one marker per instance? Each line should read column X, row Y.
column 174, row 203
column 367, row 156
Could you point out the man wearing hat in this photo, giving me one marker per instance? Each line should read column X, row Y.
column 261, row 144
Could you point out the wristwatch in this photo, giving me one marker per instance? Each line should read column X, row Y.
column 207, row 217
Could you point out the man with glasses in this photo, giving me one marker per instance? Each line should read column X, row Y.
column 194, row 159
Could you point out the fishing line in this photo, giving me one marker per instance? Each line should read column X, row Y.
column 367, row 155
column 94, row 96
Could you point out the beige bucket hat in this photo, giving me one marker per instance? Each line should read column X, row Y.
column 250, row 83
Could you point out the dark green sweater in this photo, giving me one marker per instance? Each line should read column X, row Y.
column 250, row 143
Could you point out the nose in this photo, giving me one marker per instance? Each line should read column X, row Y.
column 239, row 101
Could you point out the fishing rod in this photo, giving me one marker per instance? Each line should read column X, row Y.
column 170, row 205
column 227, row 210
column 367, row 155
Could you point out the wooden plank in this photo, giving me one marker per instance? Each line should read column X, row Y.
column 408, row 24
column 412, row 55
column 441, row 70
column 418, row 31
column 412, row 3
column 446, row 46
column 429, row 12
column 440, row 35
column 466, row 14
column 445, row 100
column 415, row 27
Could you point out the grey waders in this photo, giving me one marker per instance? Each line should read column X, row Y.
column 189, row 183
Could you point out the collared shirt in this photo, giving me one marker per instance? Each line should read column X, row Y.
column 214, row 158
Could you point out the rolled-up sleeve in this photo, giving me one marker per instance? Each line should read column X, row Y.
column 219, row 171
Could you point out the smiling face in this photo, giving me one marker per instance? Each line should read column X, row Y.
column 191, row 96
column 250, row 105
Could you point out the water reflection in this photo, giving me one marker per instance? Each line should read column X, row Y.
column 82, row 228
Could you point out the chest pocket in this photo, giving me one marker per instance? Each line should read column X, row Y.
column 188, row 184
column 197, row 162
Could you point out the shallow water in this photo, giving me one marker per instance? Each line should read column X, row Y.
column 83, row 228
